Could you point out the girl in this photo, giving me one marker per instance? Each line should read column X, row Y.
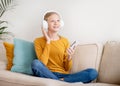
column 54, row 55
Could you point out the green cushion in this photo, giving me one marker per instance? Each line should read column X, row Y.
column 24, row 54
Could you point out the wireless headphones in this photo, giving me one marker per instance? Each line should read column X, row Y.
column 45, row 24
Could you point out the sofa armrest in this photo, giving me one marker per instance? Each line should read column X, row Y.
column 2, row 65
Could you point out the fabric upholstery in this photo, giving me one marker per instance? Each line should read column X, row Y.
column 110, row 64
column 86, row 56
column 9, row 54
column 24, row 54
column 2, row 52
column 90, row 84
column 3, row 65
column 17, row 79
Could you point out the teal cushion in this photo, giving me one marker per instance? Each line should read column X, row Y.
column 24, row 54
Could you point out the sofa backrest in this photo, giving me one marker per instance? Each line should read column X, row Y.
column 2, row 52
column 3, row 59
column 87, row 56
column 110, row 65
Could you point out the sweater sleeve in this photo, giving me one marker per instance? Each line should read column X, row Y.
column 67, row 63
column 42, row 53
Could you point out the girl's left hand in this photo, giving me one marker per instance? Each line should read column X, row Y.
column 70, row 52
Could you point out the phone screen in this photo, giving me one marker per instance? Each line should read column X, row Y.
column 73, row 44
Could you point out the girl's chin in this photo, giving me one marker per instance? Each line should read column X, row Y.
column 56, row 29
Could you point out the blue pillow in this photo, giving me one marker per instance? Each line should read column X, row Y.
column 24, row 54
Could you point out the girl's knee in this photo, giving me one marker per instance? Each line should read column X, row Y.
column 93, row 74
column 36, row 64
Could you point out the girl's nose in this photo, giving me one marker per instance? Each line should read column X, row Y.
column 55, row 22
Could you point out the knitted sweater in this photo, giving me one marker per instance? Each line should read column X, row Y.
column 53, row 55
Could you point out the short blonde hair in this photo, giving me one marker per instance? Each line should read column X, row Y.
column 48, row 14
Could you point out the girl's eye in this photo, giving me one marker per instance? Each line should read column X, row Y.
column 52, row 21
column 58, row 20
column 55, row 21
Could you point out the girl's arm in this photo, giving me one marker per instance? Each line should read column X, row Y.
column 42, row 53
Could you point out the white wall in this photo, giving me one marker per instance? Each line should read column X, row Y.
column 85, row 20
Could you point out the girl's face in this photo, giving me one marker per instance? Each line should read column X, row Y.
column 53, row 23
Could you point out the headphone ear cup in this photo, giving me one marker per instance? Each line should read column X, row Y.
column 61, row 23
column 45, row 24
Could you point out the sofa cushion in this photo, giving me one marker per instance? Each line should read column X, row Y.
column 110, row 64
column 8, row 78
column 9, row 54
column 86, row 56
column 90, row 84
column 24, row 54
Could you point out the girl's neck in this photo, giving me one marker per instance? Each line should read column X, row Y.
column 53, row 36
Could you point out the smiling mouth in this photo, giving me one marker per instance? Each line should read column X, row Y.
column 55, row 27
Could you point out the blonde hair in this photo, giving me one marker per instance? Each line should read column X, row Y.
column 48, row 14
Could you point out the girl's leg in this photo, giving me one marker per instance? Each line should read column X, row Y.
column 40, row 70
column 84, row 76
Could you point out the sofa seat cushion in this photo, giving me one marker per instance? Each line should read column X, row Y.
column 91, row 84
column 18, row 79
column 110, row 64
column 103, row 84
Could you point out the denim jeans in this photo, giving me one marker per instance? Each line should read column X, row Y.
column 85, row 76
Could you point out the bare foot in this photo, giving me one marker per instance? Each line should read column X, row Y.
column 62, row 79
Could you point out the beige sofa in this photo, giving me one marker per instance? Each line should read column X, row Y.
column 104, row 58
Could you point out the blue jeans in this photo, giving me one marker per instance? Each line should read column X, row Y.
column 85, row 76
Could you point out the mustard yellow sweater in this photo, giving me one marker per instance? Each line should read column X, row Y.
column 53, row 55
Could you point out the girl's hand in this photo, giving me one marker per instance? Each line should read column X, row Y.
column 46, row 35
column 70, row 52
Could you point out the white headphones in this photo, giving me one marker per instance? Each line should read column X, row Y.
column 45, row 24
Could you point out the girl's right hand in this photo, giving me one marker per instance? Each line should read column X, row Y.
column 46, row 35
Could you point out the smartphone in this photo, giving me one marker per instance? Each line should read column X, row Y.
column 74, row 44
